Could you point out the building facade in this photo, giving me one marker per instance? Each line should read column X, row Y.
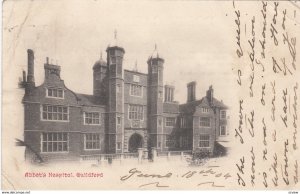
column 127, row 110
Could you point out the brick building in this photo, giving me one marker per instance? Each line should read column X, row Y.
column 128, row 110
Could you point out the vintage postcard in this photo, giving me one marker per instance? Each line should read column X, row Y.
column 143, row 95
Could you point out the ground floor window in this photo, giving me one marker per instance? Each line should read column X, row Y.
column 55, row 142
column 170, row 141
column 92, row 141
column 204, row 141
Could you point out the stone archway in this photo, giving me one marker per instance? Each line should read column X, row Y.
column 135, row 142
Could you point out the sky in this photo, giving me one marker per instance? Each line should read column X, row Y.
column 189, row 35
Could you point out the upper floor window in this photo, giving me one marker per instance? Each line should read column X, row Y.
column 55, row 113
column 136, row 90
column 55, row 142
column 223, row 114
column 222, row 130
column 204, row 141
column 92, row 141
column 183, row 122
column 136, row 78
column 91, row 118
column 205, row 110
column 136, row 112
column 55, row 92
column 205, row 121
column 170, row 121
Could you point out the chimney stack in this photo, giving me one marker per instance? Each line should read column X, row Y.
column 169, row 93
column 51, row 69
column 24, row 76
column 210, row 94
column 30, row 73
column 191, row 91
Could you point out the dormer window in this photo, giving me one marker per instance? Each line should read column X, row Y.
column 55, row 93
column 205, row 110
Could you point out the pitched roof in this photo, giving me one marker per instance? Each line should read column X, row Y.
column 219, row 104
column 190, row 107
column 89, row 100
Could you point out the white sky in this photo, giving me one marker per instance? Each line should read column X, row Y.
column 191, row 36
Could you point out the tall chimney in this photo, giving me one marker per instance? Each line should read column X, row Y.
column 191, row 91
column 210, row 94
column 30, row 73
column 169, row 93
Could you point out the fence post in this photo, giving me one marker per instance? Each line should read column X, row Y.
column 154, row 153
column 145, row 153
column 181, row 154
column 169, row 155
column 101, row 160
column 121, row 158
column 140, row 154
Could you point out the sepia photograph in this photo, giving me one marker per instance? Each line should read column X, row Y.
column 150, row 95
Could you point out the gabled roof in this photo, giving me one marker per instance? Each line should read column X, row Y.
column 190, row 107
column 219, row 104
column 90, row 100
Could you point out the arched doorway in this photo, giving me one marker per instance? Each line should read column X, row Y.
column 135, row 142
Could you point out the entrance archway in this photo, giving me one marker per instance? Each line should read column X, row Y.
column 135, row 142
